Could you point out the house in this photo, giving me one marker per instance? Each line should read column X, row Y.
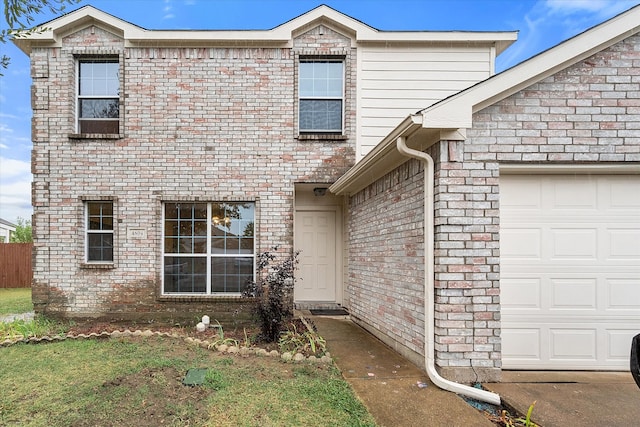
column 6, row 230
column 471, row 221
column 163, row 161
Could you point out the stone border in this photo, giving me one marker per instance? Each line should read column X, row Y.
column 220, row 348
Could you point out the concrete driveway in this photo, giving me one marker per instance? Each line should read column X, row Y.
column 572, row 398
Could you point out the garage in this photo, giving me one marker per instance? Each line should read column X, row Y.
column 569, row 270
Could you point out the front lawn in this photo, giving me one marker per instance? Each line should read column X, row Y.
column 138, row 382
column 13, row 301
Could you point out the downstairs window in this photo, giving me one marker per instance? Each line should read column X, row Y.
column 99, row 232
column 208, row 248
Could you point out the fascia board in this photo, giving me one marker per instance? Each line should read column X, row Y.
column 456, row 111
column 209, row 38
column 441, row 36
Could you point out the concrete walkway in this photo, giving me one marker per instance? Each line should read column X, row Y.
column 396, row 392
column 389, row 386
column 585, row 399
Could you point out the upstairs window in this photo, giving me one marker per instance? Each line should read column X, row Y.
column 99, row 231
column 321, row 91
column 98, row 96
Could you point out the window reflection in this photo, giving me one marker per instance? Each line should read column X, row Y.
column 218, row 237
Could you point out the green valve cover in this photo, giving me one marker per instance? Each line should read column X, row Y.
column 195, row 376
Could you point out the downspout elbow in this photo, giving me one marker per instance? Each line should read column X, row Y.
column 429, row 301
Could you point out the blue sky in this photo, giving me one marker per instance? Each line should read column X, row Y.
column 541, row 25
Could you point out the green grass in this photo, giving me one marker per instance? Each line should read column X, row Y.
column 37, row 327
column 139, row 382
column 13, row 301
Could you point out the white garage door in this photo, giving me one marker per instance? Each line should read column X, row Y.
column 570, row 270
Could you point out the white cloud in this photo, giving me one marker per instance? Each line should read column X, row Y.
column 529, row 39
column 10, row 168
column 15, row 189
column 10, row 139
column 597, row 7
column 549, row 22
column 573, row 6
column 167, row 10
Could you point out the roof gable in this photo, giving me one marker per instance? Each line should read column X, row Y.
column 280, row 36
column 72, row 22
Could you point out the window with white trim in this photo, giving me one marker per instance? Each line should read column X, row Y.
column 208, row 248
column 321, row 95
column 98, row 96
column 99, row 231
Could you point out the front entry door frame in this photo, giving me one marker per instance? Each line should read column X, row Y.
column 338, row 297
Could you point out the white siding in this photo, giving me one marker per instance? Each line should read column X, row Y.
column 394, row 82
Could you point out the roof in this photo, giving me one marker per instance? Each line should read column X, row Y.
column 448, row 119
column 281, row 35
column 7, row 223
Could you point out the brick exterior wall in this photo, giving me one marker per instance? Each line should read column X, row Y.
column 385, row 285
column 588, row 113
column 196, row 124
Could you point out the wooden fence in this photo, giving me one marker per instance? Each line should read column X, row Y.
column 15, row 265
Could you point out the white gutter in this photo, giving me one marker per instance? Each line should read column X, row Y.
column 429, row 311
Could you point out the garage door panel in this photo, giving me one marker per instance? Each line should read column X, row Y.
column 624, row 243
column 570, row 270
column 574, row 243
column 521, row 293
column 573, row 194
column 574, row 293
column 623, row 294
column 524, row 194
column 522, row 344
column 572, row 344
column 522, row 243
column 623, row 193
column 618, row 344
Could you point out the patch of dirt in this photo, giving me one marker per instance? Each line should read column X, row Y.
column 154, row 397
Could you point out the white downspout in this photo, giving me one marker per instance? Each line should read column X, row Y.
column 429, row 311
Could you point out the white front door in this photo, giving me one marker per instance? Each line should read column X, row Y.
column 315, row 238
column 570, row 270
